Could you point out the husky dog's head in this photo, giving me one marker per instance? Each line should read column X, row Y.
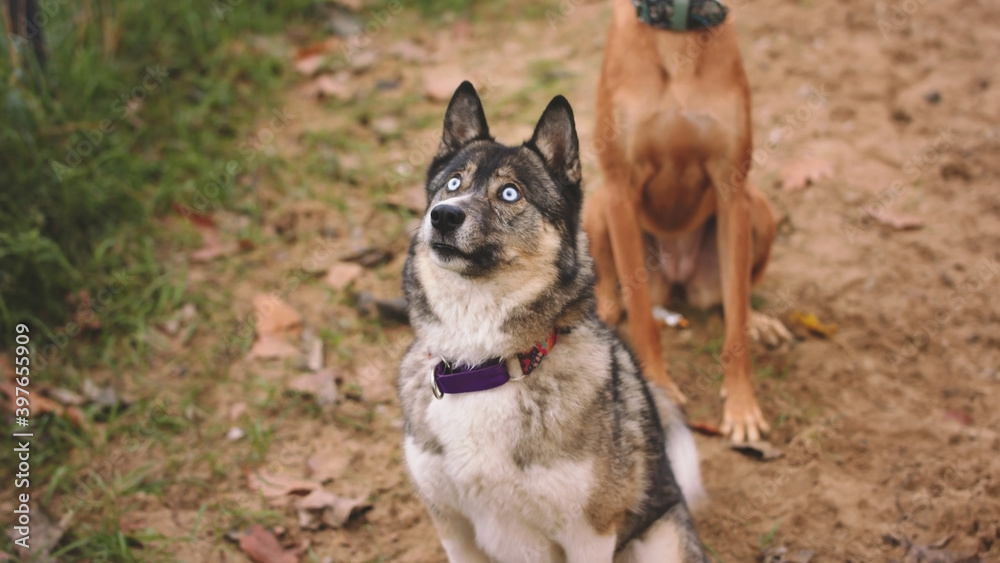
column 500, row 244
column 491, row 206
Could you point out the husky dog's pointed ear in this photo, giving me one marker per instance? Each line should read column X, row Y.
column 555, row 139
column 464, row 121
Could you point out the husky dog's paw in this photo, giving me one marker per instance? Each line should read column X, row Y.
column 767, row 330
column 742, row 420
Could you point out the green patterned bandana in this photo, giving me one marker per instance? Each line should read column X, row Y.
column 680, row 15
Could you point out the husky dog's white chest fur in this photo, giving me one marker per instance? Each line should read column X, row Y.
column 516, row 512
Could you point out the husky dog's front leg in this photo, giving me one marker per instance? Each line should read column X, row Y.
column 458, row 537
column 582, row 544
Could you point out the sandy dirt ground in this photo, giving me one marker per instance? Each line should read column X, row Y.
column 889, row 426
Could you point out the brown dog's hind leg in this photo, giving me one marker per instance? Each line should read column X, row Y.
column 764, row 231
column 606, row 290
column 763, row 328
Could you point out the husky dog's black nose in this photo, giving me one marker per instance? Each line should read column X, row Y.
column 446, row 218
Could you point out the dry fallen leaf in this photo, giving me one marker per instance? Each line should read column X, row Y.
column 71, row 413
column 41, row 405
column 314, row 350
column 310, row 58
column 276, row 316
column 325, row 86
column 386, row 126
column 812, row 324
column 212, row 245
column 704, row 428
column 899, row 222
column 761, row 450
column 193, row 215
column 277, row 322
column 321, row 507
column 272, row 348
column 261, row 546
column 105, row 397
column 321, row 385
column 329, row 45
column 278, row 489
column 800, row 173
column 409, row 51
column 363, row 60
column 65, row 396
column 309, row 64
column 330, row 459
column 341, row 274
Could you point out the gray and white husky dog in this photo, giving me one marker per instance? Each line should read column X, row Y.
column 530, row 433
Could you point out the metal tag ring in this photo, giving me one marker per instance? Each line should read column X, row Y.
column 435, row 388
column 517, row 366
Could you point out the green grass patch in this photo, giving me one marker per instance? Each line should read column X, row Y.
column 136, row 110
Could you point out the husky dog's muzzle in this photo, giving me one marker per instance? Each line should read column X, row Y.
column 447, row 232
column 443, row 235
column 446, row 218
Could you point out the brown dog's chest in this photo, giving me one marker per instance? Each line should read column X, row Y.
column 666, row 155
column 674, row 212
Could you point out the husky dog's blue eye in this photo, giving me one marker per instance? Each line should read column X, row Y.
column 510, row 193
column 454, row 183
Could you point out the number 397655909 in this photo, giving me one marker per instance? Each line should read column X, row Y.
column 23, row 362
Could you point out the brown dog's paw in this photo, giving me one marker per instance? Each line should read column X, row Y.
column 609, row 309
column 742, row 420
column 674, row 392
column 663, row 381
column 767, row 330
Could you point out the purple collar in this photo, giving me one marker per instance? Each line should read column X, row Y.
column 448, row 379
column 477, row 378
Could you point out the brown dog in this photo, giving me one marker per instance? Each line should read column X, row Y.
column 674, row 141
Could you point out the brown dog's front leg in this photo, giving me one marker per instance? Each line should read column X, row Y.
column 742, row 418
column 595, row 222
column 628, row 250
